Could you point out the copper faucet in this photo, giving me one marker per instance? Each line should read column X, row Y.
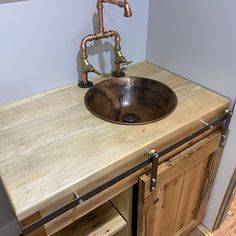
column 86, row 67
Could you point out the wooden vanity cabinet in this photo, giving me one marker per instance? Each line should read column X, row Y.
column 176, row 207
column 184, row 183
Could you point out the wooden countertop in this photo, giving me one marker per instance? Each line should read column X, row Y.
column 51, row 145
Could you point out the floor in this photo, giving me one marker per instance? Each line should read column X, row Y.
column 228, row 228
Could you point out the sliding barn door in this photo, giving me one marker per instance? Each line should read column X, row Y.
column 184, row 182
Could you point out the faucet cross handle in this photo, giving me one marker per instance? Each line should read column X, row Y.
column 86, row 67
column 119, row 58
column 126, row 62
column 90, row 68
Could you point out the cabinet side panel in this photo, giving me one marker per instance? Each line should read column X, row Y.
column 123, row 204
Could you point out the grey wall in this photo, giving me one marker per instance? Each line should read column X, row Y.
column 196, row 39
column 40, row 42
column 39, row 46
column 8, row 223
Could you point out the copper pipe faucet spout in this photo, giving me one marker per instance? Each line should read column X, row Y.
column 101, row 34
column 121, row 3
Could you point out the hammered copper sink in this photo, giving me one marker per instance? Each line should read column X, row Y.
column 130, row 100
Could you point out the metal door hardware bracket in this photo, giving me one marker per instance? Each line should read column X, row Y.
column 78, row 198
column 206, row 124
column 225, row 131
column 154, row 158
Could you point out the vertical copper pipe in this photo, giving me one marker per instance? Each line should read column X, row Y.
column 117, row 67
column 85, row 78
column 100, row 16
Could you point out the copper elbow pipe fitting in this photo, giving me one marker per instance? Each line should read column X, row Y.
column 121, row 3
column 92, row 37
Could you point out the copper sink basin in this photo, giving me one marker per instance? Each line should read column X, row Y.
column 130, row 100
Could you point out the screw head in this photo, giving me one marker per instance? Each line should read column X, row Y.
column 153, row 180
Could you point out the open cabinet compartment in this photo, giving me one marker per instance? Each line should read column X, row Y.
column 104, row 220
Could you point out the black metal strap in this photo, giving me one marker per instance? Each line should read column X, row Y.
column 225, row 131
column 153, row 180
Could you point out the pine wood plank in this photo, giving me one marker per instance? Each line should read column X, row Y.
column 31, row 219
column 193, row 181
column 103, row 221
column 169, row 207
column 160, row 209
column 123, row 204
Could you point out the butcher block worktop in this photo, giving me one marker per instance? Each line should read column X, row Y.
column 51, row 145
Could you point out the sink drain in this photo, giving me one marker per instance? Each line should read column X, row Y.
column 130, row 118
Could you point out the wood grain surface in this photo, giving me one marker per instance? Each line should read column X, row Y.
column 103, row 221
column 51, row 145
column 175, row 207
column 228, row 227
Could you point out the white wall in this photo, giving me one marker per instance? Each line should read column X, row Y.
column 196, row 39
column 39, row 46
column 40, row 42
